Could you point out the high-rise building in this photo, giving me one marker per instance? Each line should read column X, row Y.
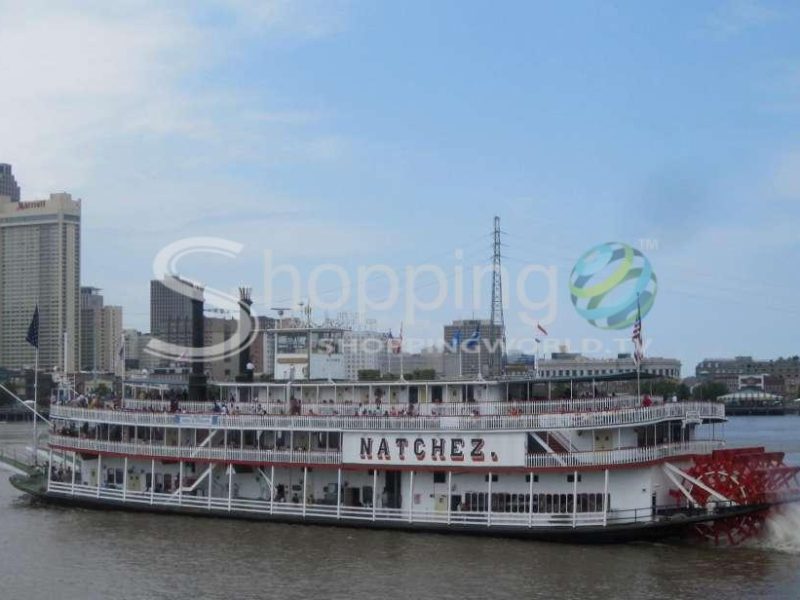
column 262, row 350
column 40, row 264
column 111, row 340
column 91, row 324
column 219, row 330
column 101, row 333
column 475, row 351
column 170, row 313
column 364, row 350
column 8, row 185
column 135, row 356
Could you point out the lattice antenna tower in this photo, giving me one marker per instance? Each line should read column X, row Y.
column 496, row 321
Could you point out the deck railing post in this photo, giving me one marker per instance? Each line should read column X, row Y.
column 305, row 487
column 411, row 496
column 605, row 499
column 489, row 501
column 152, row 479
column 125, row 480
column 180, row 483
column 339, row 492
column 530, row 500
column 210, row 483
column 272, row 490
column 230, row 485
column 449, row 495
column 49, row 466
column 99, row 472
column 574, row 498
column 72, row 490
column 374, row 492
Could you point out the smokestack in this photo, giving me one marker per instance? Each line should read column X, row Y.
column 245, row 364
column 197, row 378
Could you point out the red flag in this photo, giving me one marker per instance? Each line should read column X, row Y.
column 638, row 344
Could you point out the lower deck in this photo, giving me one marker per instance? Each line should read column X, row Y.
column 585, row 498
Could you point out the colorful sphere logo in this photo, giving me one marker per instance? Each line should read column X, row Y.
column 606, row 283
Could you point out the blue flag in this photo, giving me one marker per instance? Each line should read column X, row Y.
column 475, row 337
column 33, row 329
column 456, row 342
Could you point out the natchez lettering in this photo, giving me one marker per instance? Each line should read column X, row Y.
column 437, row 449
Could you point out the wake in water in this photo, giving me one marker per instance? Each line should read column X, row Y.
column 782, row 530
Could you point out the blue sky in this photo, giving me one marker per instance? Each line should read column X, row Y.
column 391, row 133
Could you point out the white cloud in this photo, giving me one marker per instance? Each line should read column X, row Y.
column 80, row 77
column 118, row 102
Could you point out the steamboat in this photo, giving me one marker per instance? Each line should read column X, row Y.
column 470, row 456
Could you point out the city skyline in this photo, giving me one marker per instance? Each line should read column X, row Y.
column 691, row 160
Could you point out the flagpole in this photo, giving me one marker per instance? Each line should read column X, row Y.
column 35, row 406
column 638, row 352
column 460, row 362
column 122, row 391
column 400, row 347
column 638, row 379
column 480, row 370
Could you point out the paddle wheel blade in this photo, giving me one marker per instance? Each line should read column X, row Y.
column 738, row 477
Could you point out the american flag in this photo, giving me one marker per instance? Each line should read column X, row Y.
column 638, row 346
column 396, row 344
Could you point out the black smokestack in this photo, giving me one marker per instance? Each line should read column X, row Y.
column 197, row 378
column 245, row 363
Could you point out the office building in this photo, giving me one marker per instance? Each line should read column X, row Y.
column 571, row 364
column 40, row 263
column 783, row 374
column 171, row 311
column 476, row 352
column 101, row 334
column 8, row 185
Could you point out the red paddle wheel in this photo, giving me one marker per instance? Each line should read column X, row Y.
column 744, row 477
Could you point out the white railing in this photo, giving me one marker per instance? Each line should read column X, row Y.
column 623, row 455
column 443, row 409
column 334, row 457
column 192, row 453
column 455, row 519
column 588, row 420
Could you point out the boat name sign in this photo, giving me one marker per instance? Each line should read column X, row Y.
column 481, row 450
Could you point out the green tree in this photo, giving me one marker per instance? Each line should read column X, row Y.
column 369, row 375
column 710, row 390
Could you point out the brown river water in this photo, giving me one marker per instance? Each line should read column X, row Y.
column 66, row 553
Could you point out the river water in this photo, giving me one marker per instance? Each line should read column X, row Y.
column 62, row 553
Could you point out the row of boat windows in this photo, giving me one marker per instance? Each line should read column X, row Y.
column 542, row 503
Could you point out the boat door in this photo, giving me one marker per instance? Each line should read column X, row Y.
column 391, row 496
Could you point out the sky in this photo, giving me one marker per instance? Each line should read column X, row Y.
column 362, row 133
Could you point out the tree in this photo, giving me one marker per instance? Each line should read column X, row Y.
column 369, row 375
column 710, row 390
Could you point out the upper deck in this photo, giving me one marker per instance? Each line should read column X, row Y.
column 502, row 416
